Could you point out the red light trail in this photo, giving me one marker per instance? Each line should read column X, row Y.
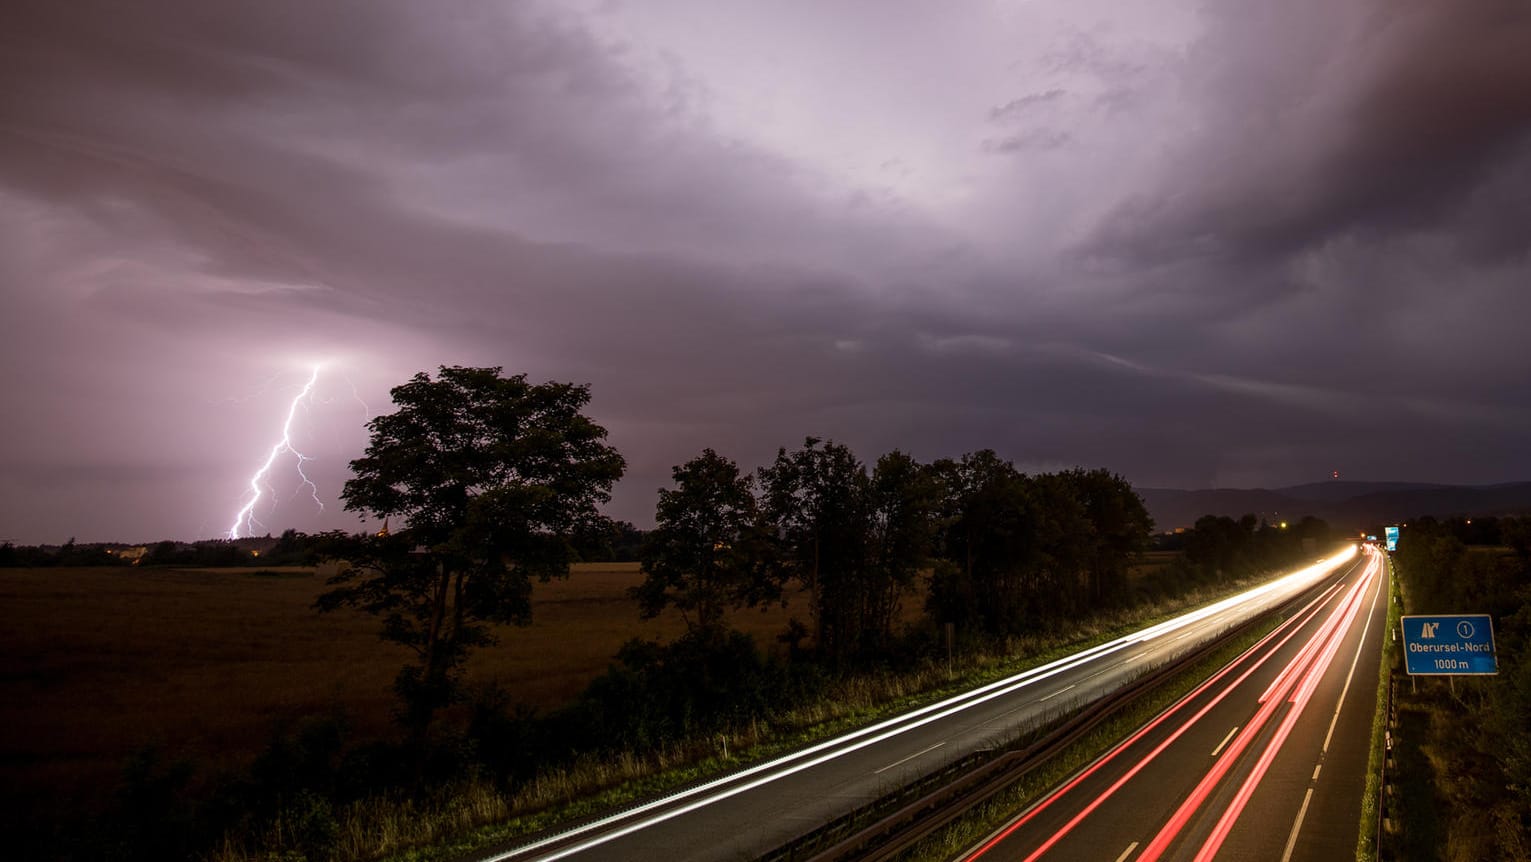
column 1299, row 699
column 1294, row 624
column 1294, row 684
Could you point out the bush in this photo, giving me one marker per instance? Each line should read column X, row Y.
column 307, row 826
column 509, row 739
column 706, row 681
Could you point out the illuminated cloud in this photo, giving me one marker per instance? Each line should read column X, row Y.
column 1186, row 242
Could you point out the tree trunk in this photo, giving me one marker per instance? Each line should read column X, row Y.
column 423, row 709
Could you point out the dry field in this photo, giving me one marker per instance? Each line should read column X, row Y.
column 1152, row 562
column 96, row 663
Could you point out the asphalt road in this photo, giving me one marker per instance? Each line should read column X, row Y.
column 756, row 809
column 1266, row 760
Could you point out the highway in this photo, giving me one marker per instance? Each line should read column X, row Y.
column 756, row 809
column 1265, row 760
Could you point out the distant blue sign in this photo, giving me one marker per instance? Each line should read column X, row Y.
column 1392, row 538
column 1442, row 646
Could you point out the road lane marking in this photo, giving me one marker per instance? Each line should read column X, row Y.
column 1291, row 840
column 1225, row 740
column 1370, row 612
column 1316, row 768
column 1054, row 694
column 1128, row 852
column 1302, row 683
column 1096, row 674
column 1295, row 623
column 1314, row 657
column 907, row 759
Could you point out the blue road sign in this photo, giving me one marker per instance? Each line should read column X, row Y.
column 1392, row 538
column 1443, row 646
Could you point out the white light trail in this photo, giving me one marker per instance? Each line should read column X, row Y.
column 245, row 519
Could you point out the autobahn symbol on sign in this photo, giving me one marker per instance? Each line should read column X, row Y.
column 1446, row 646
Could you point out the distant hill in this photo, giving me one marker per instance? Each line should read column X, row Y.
column 1351, row 505
column 1332, row 492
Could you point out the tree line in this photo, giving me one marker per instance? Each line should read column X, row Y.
column 980, row 543
column 606, row 541
column 1219, row 548
column 494, row 474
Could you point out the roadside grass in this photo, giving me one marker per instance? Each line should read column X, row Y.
column 1449, row 806
column 1419, row 831
column 1452, row 799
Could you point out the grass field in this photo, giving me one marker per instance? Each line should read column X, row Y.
column 97, row 663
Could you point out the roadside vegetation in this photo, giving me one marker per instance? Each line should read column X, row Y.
column 1368, row 838
column 904, row 579
column 1463, row 749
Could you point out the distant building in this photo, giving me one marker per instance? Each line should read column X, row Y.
column 133, row 554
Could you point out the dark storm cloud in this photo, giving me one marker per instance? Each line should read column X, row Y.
column 1371, row 117
column 1174, row 270
column 1016, row 108
column 262, row 131
column 1030, row 122
column 1354, row 209
column 1034, row 139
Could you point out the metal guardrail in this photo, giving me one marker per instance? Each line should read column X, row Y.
column 1384, row 792
column 1387, row 759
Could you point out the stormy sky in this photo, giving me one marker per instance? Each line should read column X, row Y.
column 1226, row 243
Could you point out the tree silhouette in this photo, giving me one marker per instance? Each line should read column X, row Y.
column 491, row 475
column 708, row 551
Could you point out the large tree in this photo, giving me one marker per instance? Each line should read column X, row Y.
column 1120, row 530
column 708, row 551
column 817, row 499
column 488, row 476
column 905, row 497
column 990, row 538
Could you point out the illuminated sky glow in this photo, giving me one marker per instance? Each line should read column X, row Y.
column 1200, row 244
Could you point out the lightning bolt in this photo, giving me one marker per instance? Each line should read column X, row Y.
column 245, row 519
column 366, row 411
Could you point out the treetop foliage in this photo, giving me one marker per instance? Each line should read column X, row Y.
column 710, row 549
column 480, row 462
